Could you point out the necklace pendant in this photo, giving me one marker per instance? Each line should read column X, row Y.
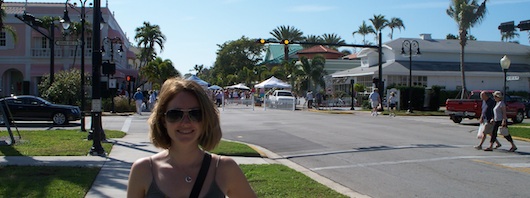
column 187, row 179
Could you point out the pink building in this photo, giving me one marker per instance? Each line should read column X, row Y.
column 24, row 62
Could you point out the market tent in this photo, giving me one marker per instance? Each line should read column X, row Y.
column 238, row 86
column 273, row 82
column 198, row 80
column 214, row 87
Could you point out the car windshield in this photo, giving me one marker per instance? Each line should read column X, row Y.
column 284, row 94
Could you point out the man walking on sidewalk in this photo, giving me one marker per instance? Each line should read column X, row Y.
column 139, row 99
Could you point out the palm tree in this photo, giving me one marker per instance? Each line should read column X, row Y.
column 311, row 71
column 158, row 70
column 508, row 36
column 364, row 30
column 147, row 37
column 379, row 22
column 7, row 28
column 466, row 13
column 333, row 39
column 288, row 32
column 312, row 39
column 395, row 23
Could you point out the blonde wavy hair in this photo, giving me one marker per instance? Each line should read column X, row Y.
column 211, row 128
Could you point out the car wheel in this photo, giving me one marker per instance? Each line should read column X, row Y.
column 456, row 119
column 519, row 117
column 59, row 118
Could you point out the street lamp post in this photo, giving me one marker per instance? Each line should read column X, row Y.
column 410, row 45
column 36, row 23
column 66, row 24
column 505, row 65
column 97, row 130
column 110, row 66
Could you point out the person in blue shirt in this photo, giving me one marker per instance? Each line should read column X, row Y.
column 139, row 99
column 485, row 118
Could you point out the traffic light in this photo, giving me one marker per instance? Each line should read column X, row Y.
column 507, row 27
column 285, row 41
column 129, row 78
column 108, row 68
column 261, row 41
column 524, row 25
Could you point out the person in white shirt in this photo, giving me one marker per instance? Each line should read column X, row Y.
column 375, row 100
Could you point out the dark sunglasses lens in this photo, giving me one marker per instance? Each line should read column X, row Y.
column 174, row 115
column 195, row 115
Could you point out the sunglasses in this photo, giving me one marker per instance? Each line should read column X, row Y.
column 177, row 115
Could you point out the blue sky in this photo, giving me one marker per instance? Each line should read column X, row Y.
column 195, row 28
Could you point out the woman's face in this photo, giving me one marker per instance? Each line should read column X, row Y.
column 183, row 119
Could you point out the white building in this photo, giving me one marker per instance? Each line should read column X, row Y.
column 439, row 64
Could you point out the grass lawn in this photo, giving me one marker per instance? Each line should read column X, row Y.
column 268, row 180
column 55, row 143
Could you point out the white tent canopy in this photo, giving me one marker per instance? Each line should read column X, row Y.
column 273, row 82
column 238, row 86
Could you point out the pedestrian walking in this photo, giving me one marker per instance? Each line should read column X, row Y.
column 392, row 101
column 375, row 100
column 139, row 99
column 185, row 124
column 500, row 119
column 486, row 118
column 309, row 97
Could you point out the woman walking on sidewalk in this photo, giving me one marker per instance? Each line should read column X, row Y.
column 185, row 123
column 500, row 118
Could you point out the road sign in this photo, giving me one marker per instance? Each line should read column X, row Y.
column 112, row 83
column 511, row 78
column 66, row 42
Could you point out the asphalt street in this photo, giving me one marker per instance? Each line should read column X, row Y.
column 404, row 156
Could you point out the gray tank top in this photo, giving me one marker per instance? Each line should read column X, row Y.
column 154, row 191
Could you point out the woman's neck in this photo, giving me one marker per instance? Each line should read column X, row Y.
column 185, row 157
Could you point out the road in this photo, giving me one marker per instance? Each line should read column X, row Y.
column 404, row 156
column 387, row 156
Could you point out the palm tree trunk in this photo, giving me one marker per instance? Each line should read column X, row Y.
column 463, row 41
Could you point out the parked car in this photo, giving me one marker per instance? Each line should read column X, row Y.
column 281, row 98
column 526, row 103
column 33, row 108
column 471, row 108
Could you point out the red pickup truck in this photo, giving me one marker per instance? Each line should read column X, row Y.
column 471, row 108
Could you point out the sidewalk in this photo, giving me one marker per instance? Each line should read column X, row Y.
column 112, row 179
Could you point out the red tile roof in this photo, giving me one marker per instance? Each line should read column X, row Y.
column 319, row 49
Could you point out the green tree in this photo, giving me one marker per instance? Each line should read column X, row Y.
column 4, row 27
column 334, row 39
column 312, row 39
column 148, row 36
column 364, row 30
column 466, row 14
column 157, row 71
column 379, row 22
column 311, row 72
column 395, row 23
column 232, row 57
column 65, row 88
column 288, row 32
column 508, row 36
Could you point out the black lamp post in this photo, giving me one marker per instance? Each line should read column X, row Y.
column 505, row 65
column 410, row 45
column 109, row 67
column 36, row 23
column 66, row 24
column 97, row 129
